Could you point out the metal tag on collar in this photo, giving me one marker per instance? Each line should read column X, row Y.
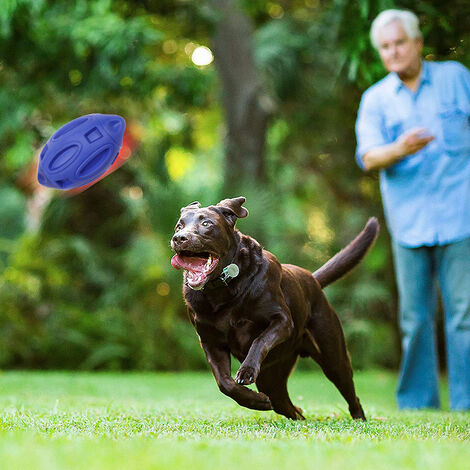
column 229, row 272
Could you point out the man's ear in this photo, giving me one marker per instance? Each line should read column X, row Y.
column 232, row 209
column 193, row 205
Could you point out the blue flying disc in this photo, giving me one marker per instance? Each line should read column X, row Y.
column 81, row 151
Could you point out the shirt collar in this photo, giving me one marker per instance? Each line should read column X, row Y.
column 425, row 77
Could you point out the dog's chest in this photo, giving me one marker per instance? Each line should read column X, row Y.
column 241, row 334
column 231, row 327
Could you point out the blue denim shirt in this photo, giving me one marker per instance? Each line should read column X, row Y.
column 426, row 195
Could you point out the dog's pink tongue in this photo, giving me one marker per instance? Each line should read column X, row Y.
column 188, row 262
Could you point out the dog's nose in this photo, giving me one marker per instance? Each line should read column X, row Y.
column 179, row 238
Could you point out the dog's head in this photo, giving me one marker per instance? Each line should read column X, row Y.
column 203, row 237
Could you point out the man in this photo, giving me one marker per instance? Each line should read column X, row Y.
column 414, row 127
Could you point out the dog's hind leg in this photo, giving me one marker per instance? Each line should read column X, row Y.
column 273, row 383
column 325, row 343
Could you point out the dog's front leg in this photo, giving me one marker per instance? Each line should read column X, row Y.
column 219, row 360
column 278, row 331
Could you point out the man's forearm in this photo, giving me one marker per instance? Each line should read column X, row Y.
column 383, row 156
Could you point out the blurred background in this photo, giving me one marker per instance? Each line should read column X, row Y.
column 222, row 98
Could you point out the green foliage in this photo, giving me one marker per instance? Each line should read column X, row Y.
column 93, row 288
column 64, row 306
column 12, row 210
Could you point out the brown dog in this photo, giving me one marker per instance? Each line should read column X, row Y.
column 242, row 301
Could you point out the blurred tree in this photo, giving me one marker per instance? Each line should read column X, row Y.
column 246, row 103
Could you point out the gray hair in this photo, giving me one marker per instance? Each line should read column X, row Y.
column 407, row 19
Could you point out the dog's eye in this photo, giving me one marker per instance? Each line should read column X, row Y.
column 206, row 223
column 178, row 227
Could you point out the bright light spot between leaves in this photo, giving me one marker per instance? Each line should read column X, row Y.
column 202, row 56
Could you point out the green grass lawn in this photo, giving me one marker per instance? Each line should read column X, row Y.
column 58, row 420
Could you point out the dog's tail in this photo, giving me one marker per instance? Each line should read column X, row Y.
column 349, row 256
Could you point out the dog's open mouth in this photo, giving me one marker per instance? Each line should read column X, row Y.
column 197, row 266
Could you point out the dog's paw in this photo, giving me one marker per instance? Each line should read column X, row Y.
column 246, row 375
column 264, row 402
column 299, row 413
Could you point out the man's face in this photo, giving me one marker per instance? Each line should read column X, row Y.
column 399, row 53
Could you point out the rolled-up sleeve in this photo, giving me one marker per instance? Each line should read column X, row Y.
column 370, row 130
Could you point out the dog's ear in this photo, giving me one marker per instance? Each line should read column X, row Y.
column 193, row 205
column 233, row 209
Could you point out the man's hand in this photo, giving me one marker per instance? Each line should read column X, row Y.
column 413, row 140
column 387, row 155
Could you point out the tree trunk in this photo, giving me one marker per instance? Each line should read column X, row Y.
column 247, row 106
